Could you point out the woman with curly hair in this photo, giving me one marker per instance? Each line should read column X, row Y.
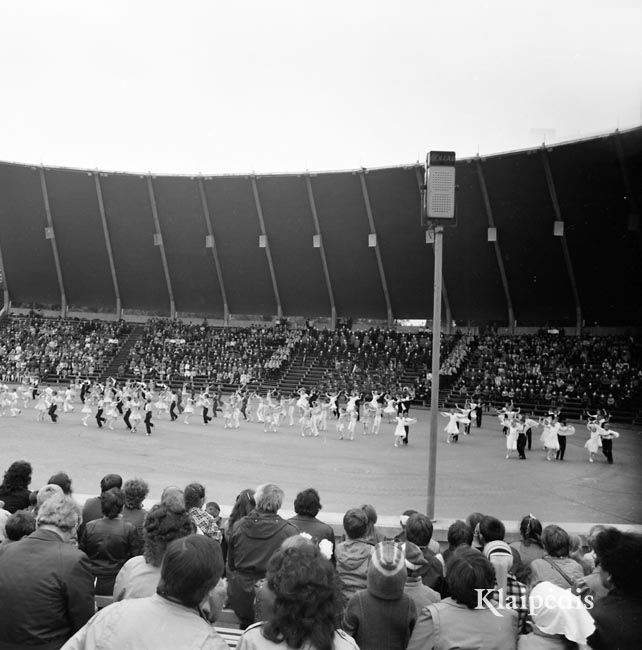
column 14, row 490
column 306, row 608
column 139, row 575
column 135, row 490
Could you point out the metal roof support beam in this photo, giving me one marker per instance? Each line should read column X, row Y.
column 382, row 273
column 444, row 293
column 268, row 254
column 626, row 179
column 324, row 261
column 51, row 235
column 3, row 283
column 110, row 255
column 214, row 249
column 161, row 246
column 567, row 256
column 498, row 252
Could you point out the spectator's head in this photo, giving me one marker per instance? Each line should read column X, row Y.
column 60, row 512
column 593, row 533
column 18, row 476
column 371, row 513
column 110, row 481
column 63, row 480
column 556, row 541
column 307, row 503
column 419, row 529
column 194, row 495
column 163, row 524
column 213, row 509
column 620, row 558
column 174, row 497
column 491, row 529
column 112, row 502
column 268, row 497
column 404, row 517
column 191, row 568
column 45, row 493
column 459, row 534
column 530, row 529
column 20, row 524
column 387, row 571
column 355, row 523
column 416, row 563
column 243, row 505
column 307, row 598
column 134, row 491
column 556, row 611
column 469, row 571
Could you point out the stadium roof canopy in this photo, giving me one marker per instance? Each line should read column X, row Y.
column 298, row 244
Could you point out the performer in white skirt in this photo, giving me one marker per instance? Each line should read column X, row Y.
column 400, row 430
column 513, row 432
column 390, row 409
column 593, row 444
column 188, row 408
column 451, row 428
column 549, row 438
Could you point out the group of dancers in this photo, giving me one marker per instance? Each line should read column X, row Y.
column 518, row 429
column 136, row 401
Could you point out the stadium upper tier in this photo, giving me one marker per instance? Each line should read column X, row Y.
column 217, row 246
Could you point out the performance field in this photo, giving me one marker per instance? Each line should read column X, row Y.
column 472, row 475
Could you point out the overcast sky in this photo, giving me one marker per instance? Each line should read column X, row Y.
column 235, row 86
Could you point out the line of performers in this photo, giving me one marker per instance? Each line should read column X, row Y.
column 518, row 429
column 133, row 402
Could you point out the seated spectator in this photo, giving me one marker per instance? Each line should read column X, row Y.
column 496, row 550
column 191, row 567
column 382, row 615
column 529, row 547
column 212, row 508
column 419, row 531
column 20, row 524
column 139, row 576
column 109, row 542
column 400, row 538
column 14, row 490
column 577, row 553
column 93, row 508
column 618, row 615
column 373, row 535
column 4, row 515
column 44, row 493
column 353, row 554
column 55, row 597
column 473, row 520
column 134, row 491
column 416, row 565
column 462, row 621
column 591, row 584
column 254, row 538
column 173, row 497
column 559, row 620
column 63, row 480
column 204, row 522
column 307, row 505
column 459, row 536
column 556, row 566
column 307, row 604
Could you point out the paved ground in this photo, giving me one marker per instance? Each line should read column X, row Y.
column 471, row 476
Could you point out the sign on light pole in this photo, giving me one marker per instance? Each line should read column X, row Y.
column 438, row 209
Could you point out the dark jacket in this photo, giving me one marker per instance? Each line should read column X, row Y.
column 109, row 543
column 317, row 529
column 254, row 539
column 46, row 591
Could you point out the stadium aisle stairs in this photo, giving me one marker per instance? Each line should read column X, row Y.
column 121, row 357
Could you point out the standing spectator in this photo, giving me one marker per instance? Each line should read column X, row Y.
column 307, row 505
column 618, row 616
column 253, row 540
column 134, row 491
column 382, row 615
column 14, row 490
column 170, row 618
column 55, row 595
column 109, row 542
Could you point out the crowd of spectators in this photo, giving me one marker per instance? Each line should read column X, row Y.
column 291, row 583
column 553, row 369
column 171, row 350
column 34, row 346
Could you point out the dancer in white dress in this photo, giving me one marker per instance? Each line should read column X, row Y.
column 451, row 428
column 593, row 444
column 549, row 437
column 513, row 432
column 390, row 409
column 400, row 430
column 188, row 409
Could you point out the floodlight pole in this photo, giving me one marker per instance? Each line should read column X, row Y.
column 434, row 386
